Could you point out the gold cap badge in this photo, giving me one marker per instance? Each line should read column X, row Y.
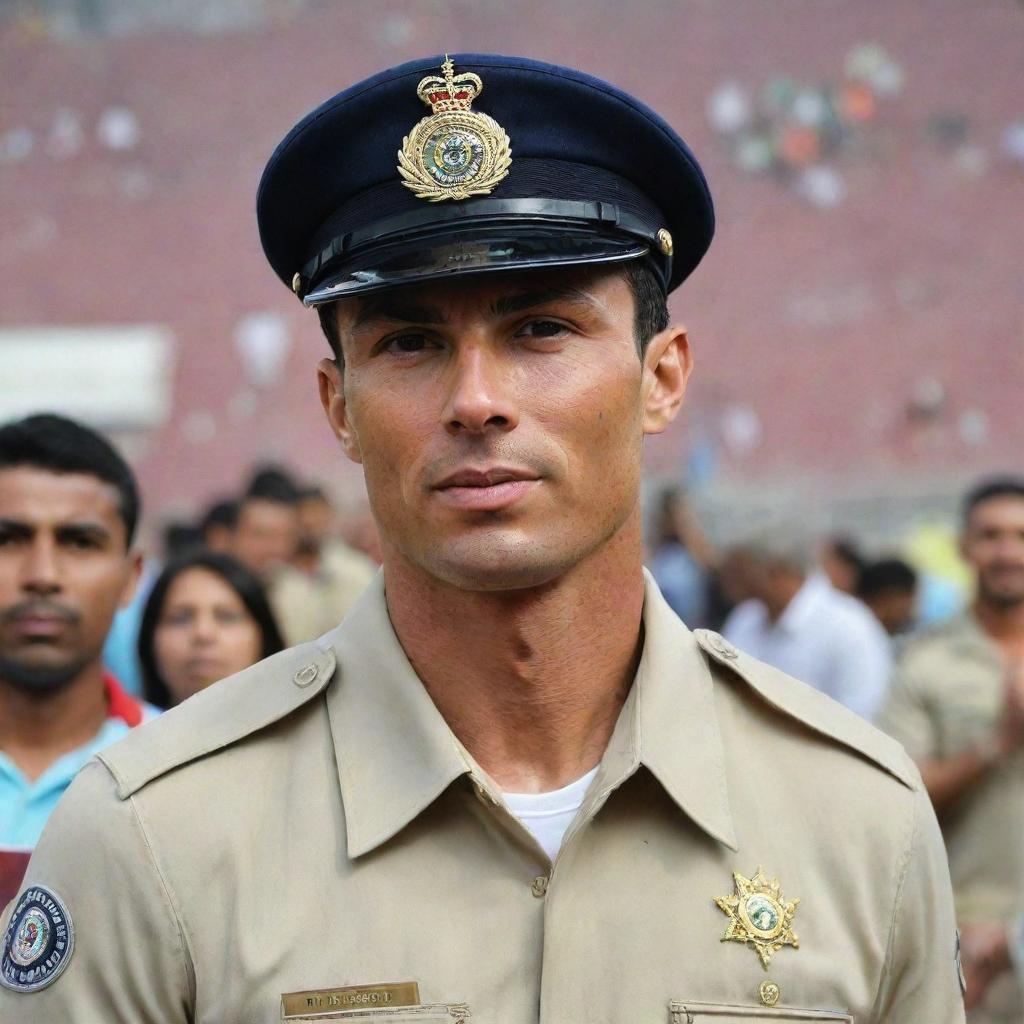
column 456, row 152
column 759, row 915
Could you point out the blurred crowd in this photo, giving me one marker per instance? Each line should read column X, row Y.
column 96, row 639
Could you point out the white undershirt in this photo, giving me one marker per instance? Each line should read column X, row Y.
column 548, row 815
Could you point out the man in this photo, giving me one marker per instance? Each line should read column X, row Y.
column 217, row 525
column 512, row 786
column 68, row 511
column 889, row 588
column 957, row 705
column 798, row 622
column 266, row 529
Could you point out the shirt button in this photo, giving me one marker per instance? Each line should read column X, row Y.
column 539, row 886
column 483, row 795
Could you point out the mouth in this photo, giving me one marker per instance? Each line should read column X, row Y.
column 486, row 490
column 39, row 627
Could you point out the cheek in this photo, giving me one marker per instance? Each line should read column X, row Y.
column 243, row 645
column 170, row 645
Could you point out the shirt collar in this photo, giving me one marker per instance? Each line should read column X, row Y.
column 395, row 753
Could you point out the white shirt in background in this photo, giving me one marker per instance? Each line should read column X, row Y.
column 548, row 815
column 824, row 637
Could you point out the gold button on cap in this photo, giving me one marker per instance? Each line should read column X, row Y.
column 539, row 886
column 665, row 241
column 305, row 675
column 297, row 283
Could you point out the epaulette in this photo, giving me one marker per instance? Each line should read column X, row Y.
column 221, row 714
column 816, row 711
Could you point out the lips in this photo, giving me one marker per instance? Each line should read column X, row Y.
column 484, row 477
column 488, row 489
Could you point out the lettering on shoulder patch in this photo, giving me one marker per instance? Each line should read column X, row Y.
column 38, row 942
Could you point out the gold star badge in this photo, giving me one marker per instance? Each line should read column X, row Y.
column 759, row 915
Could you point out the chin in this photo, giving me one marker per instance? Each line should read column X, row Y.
column 522, row 565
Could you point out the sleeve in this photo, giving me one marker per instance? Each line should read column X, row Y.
column 905, row 715
column 126, row 953
column 922, row 979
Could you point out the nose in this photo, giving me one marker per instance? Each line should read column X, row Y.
column 41, row 572
column 481, row 395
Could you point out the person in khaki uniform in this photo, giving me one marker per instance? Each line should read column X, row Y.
column 512, row 785
column 957, row 705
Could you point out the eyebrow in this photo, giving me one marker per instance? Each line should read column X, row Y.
column 374, row 309
column 83, row 531
column 64, row 531
column 527, row 300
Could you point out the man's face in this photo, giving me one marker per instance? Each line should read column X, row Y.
column 993, row 544
column 64, row 570
column 894, row 609
column 499, row 420
column 265, row 535
column 316, row 519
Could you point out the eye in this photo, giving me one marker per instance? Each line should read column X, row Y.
column 543, row 329
column 408, row 344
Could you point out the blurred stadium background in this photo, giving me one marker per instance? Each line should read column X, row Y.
column 859, row 323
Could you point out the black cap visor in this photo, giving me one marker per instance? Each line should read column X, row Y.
column 504, row 248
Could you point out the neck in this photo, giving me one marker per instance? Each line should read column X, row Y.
column 1003, row 622
column 530, row 681
column 36, row 729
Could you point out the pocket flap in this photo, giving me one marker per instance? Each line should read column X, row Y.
column 685, row 1012
column 437, row 1013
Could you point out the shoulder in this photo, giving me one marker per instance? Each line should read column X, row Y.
column 811, row 709
column 221, row 715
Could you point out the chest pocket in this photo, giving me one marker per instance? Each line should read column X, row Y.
column 436, row 1013
column 718, row 1013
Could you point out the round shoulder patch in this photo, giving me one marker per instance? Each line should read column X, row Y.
column 38, row 942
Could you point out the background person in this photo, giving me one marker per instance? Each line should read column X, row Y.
column 682, row 558
column 957, row 705
column 889, row 589
column 68, row 511
column 207, row 618
column 798, row 622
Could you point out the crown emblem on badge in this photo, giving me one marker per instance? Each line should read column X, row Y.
column 456, row 152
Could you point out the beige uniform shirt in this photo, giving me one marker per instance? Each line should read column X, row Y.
column 947, row 698
column 313, row 825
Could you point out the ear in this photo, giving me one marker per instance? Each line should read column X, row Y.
column 331, row 382
column 134, row 574
column 668, row 362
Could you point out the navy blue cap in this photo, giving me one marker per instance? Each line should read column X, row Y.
column 561, row 169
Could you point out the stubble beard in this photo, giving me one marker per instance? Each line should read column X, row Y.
column 40, row 680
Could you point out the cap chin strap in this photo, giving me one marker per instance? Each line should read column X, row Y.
column 601, row 218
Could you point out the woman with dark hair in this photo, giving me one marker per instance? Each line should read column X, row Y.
column 207, row 617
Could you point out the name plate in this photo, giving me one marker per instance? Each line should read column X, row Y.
column 354, row 997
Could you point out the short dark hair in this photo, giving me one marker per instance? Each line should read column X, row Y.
column 60, row 445
column 650, row 316
column 272, row 483
column 243, row 582
column 885, row 575
column 994, row 487
column 220, row 513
